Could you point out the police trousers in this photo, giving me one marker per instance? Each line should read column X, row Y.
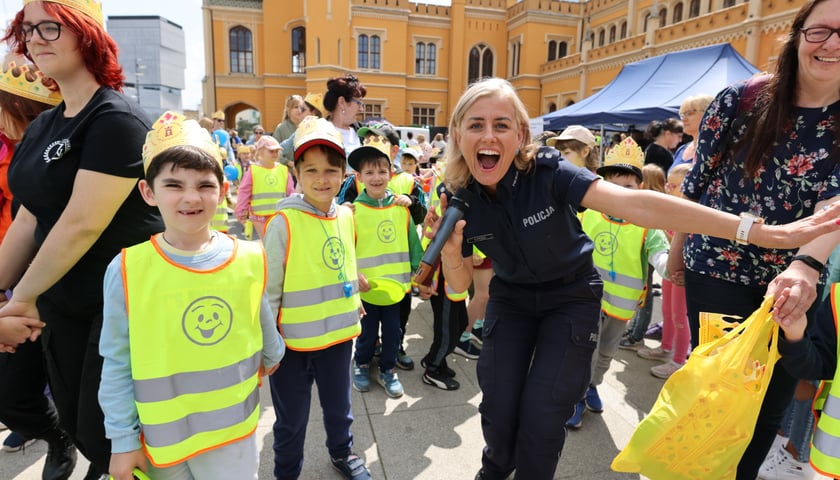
column 534, row 367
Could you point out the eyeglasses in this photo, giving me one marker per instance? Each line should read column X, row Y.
column 258, row 132
column 358, row 102
column 48, row 31
column 819, row 34
column 687, row 113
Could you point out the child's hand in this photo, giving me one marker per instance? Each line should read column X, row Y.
column 402, row 200
column 16, row 330
column 426, row 292
column 268, row 371
column 123, row 464
column 794, row 327
column 364, row 286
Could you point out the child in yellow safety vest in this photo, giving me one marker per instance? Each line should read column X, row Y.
column 388, row 250
column 263, row 185
column 183, row 350
column 621, row 255
column 313, row 290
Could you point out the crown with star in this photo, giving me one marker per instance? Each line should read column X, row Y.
column 173, row 129
column 91, row 8
column 28, row 82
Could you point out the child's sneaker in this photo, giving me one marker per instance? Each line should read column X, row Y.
column 391, row 382
column 477, row 334
column 780, row 465
column 576, row 420
column 361, row 377
column 593, row 400
column 654, row 332
column 16, row 442
column 351, row 467
column 654, row 353
column 440, row 379
column 627, row 343
column 404, row 361
column 665, row 370
column 467, row 349
column 443, row 368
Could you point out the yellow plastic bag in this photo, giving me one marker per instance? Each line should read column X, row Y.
column 715, row 325
column 704, row 416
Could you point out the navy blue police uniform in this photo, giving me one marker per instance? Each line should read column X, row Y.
column 541, row 323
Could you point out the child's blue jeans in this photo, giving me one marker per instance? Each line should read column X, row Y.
column 389, row 318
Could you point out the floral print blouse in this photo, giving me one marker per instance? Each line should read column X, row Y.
column 800, row 172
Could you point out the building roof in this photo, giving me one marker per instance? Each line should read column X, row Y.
column 256, row 4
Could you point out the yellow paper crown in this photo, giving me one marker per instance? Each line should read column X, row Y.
column 317, row 131
column 173, row 129
column 380, row 143
column 18, row 84
column 91, row 8
column 626, row 153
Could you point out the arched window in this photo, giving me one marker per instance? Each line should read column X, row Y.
column 552, row 107
column 601, row 34
column 420, row 58
column 299, row 50
column 694, row 9
column 369, row 52
column 663, row 17
column 241, row 51
column 562, row 49
column 646, row 22
column 623, row 29
column 552, row 50
column 481, row 63
column 362, row 61
column 678, row 13
column 728, row 3
column 431, row 59
column 612, row 34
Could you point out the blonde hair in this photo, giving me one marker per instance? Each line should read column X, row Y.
column 678, row 172
column 294, row 101
column 697, row 102
column 591, row 161
column 457, row 173
column 654, row 177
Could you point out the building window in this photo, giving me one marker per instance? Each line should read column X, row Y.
column 663, row 17
column 552, row 107
column 694, row 9
column 241, row 51
column 481, row 63
column 371, row 111
column 425, row 61
column 678, row 12
column 562, row 49
column 646, row 22
column 423, row 116
column 515, row 50
column 601, row 37
column 299, row 50
column 728, row 3
column 612, row 34
column 369, row 52
column 552, row 50
column 623, row 29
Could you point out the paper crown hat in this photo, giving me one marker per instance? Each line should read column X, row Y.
column 91, row 8
column 218, row 115
column 316, row 100
column 375, row 146
column 16, row 80
column 624, row 157
column 173, row 129
column 317, row 131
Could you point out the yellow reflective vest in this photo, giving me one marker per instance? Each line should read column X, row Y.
column 401, row 184
column 269, row 187
column 618, row 253
column 219, row 222
column 196, row 348
column 451, row 293
column 320, row 304
column 382, row 242
column 825, row 446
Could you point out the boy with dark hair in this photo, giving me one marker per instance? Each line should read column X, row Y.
column 387, row 251
column 183, row 350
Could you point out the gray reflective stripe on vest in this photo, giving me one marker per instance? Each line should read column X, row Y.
column 825, row 442
column 167, row 388
column 400, row 277
column 622, row 280
column 269, row 207
column 171, row 433
column 620, row 302
column 320, row 327
column 370, row 262
column 314, row 296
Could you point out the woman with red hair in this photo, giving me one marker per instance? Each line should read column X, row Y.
column 75, row 174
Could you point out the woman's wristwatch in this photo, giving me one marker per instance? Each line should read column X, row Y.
column 742, row 235
column 810, row 261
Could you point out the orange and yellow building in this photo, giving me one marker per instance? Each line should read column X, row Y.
column 415, row 59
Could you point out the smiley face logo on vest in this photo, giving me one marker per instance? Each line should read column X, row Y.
column 386, row 231
column 207, row 321
column 605, row 244
column 333, row 253
column 271, row 179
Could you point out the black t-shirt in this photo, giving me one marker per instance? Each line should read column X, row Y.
column 107, row 137
column 659, row 155
column 530, row 229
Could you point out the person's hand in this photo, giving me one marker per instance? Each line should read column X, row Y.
column 402, row 200
column 350, row 206
column 800, row 232
column 794, row 327
column 794, row 290
column 270, row 370
column 15, row 330
column 426, row 292
column 431, row 223
column 364, row 285
column 477, row 259
column 123, row 464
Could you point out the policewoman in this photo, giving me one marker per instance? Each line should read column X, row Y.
column 541, row 324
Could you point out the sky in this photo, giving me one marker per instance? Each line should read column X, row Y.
column 186, row 13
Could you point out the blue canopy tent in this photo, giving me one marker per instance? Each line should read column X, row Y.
column 652, row 89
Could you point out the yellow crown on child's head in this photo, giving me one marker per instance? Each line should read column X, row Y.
column 624, row 157
column 173, row 129
column 91, row 8
column 14, row 80
column 375, row 146
column 317, row 131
